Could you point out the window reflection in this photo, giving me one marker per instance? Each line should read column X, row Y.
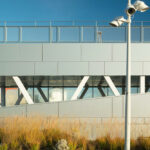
column 59, row 88
column 68, row 92
column 120, row 89
column 30, row 91
column 56, row 81
column 109, row 92
column 11, row 96
column 97, row 92
column 40, row 95
column 86, row 92
column 134, row 90
column 55, row 94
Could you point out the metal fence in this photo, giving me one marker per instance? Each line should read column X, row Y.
column 71, row 32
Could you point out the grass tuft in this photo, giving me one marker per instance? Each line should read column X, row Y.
column 43, row 133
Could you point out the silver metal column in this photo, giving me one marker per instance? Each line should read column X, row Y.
column 128, row 85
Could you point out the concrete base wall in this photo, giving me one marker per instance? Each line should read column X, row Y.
column 103, row 107
column 100, row 116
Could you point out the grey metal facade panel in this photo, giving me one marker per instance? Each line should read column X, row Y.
column 146, row 68
column 46, row 68
column 137, row 68
column 140, row 52
column 21, row 52
column 62, row 52
column 104, row 107
column 114, row 68
column 140, row 106
column 119, row 68
column 9, row 52
column 96, row 68
column 117, row 106
column 13, row 111
column 73, row 68
column 46, row 109
column 119, row 51
column 96, row 52
column 16, row 68
column 94, row 108
column 73, row 59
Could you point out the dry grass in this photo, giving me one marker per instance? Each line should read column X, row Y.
column 38, row 132
column 24, row 133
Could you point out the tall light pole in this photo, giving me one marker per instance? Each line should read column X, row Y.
column 128, row 86
column 131, row 9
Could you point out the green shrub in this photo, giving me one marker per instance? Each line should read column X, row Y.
column 14, row 145
column 101, row 144
column 4, row 147
column 143, row 143
column 107, row 143
column 91, row 145
column 72, row 146
column 133, row 144
column 35, row 147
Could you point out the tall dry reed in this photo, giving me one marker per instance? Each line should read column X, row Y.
column 43, row 133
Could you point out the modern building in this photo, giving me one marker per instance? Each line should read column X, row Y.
column 64, row 61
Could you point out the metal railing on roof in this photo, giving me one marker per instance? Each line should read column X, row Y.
column 70, row 32
column 67, row 23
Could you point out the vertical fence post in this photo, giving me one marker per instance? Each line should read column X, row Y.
column 58, row 34
column 142, row 32
column 96, row 32
column 5, row 32
column 73, row 23
column 35, row 23
column 50, row 32
column 20, row 34
column 81, row 34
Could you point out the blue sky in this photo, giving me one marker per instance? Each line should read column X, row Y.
column 30, row 10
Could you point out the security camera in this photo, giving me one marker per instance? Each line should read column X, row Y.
column 130, row 10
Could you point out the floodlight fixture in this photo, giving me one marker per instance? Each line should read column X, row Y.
column 118, row 21
column 140, row 6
